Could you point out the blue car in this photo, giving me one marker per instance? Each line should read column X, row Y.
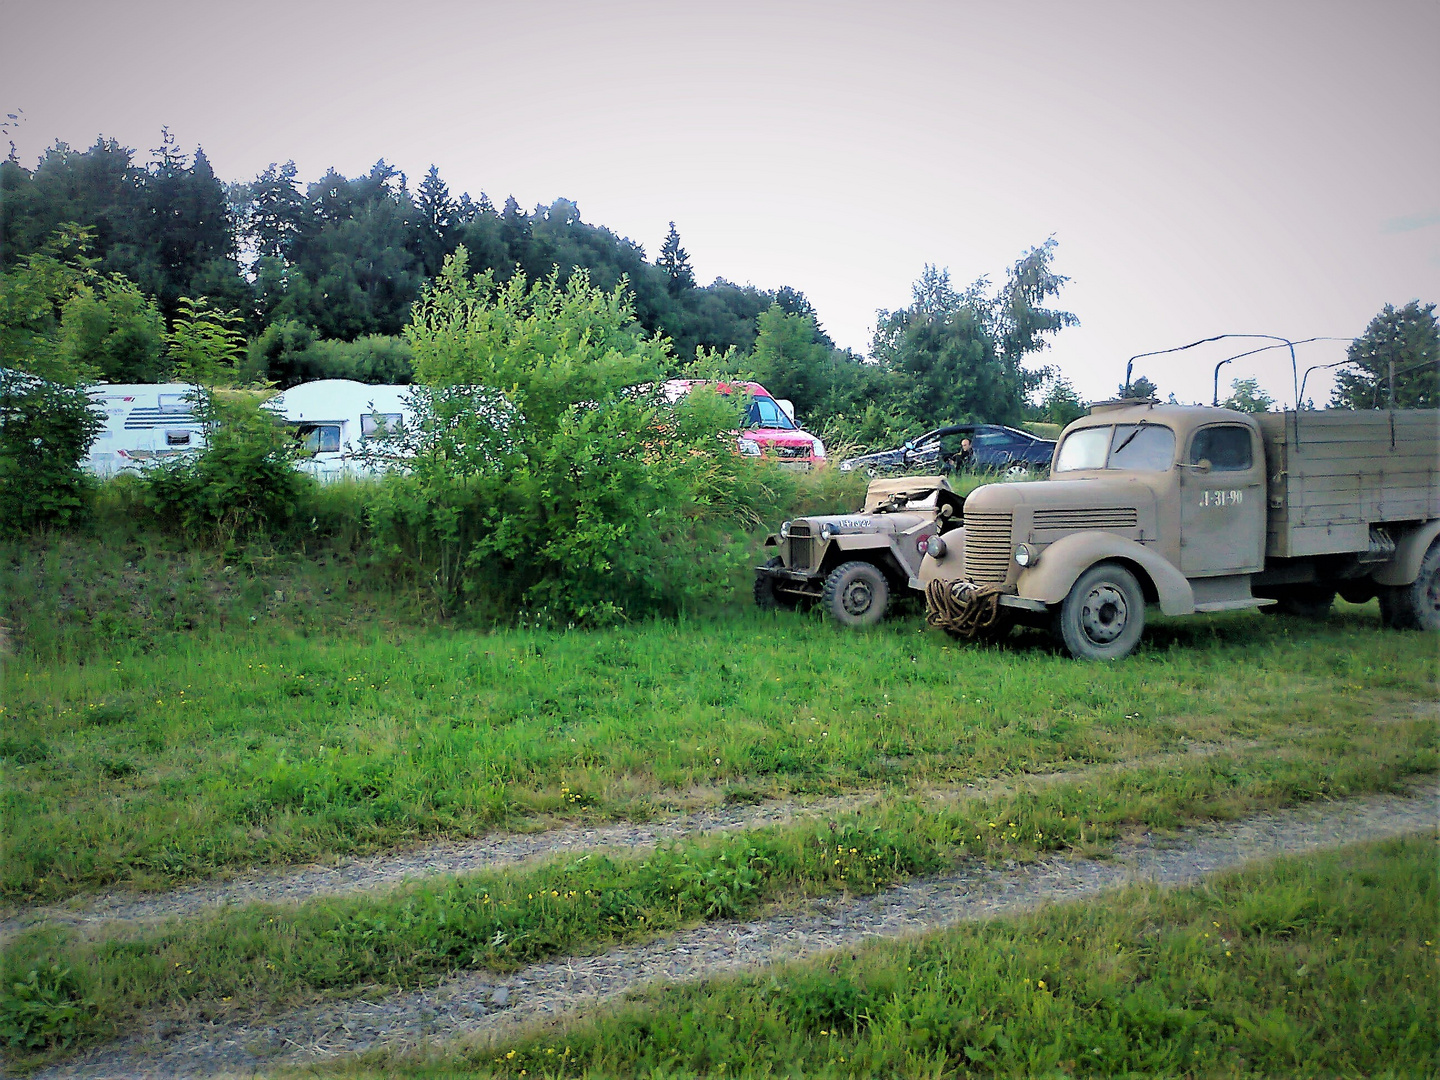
column 992, row 448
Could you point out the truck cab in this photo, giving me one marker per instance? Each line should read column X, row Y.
column 1180, row 506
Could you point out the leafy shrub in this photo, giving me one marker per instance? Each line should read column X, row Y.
column 45, row 432
column 549, row 476
column 243, row 482
column 42, row 1010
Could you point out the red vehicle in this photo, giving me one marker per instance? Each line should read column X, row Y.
column 770, row 429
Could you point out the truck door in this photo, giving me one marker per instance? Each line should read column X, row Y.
column 1222, row 500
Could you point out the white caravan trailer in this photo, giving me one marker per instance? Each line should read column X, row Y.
column 144, row 422
column 335, row 417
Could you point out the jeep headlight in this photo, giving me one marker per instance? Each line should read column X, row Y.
column 785, row 530
column 1025, row 555
column 828, row 530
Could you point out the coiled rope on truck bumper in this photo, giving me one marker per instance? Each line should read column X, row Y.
column 963, row 608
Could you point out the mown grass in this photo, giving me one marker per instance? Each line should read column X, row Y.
column 1316, row 966
column 264, row 955
column 278, row 744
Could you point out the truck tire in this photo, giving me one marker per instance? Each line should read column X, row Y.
column 856, row 594
column 767, row 597
column 1415, row 606
column 1103, row 616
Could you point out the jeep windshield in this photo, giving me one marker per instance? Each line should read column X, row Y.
column 1143, row 447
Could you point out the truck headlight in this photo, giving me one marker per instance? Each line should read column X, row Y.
column 828, row 530
column 785, row 530
column 935, row 547
column 818, row 449
column 749, row 447
column 1025, row 555
column 846, row 466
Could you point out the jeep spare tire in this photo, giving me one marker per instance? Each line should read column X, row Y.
column 1103, row 615
column 856, row 594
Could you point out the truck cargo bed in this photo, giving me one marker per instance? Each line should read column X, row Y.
column 1334, row 473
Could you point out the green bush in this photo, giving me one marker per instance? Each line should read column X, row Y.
column 243, row 483
column 549, row 477
column 45, row 432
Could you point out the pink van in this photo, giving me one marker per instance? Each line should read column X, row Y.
column 770, row 429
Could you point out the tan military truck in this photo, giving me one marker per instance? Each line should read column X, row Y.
column 852, row 563
column 1196, row 510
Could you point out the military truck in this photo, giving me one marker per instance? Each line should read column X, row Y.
column 1200, row 509
column 852, row 563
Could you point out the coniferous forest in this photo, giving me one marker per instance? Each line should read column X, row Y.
column 317, row 280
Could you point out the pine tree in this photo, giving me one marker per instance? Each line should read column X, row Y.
column 674, row 261
column 1404, row 340
column 437, row 213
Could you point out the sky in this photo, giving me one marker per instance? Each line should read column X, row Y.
column 1206, row 168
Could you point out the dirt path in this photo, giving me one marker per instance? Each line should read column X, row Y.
column 109, row 911
column 485, row 1006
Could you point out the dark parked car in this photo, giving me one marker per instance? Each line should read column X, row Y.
column 993, row 448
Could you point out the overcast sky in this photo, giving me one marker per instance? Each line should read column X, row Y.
column 1206, row 168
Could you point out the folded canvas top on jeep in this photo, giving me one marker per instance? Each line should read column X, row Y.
column 913, row 487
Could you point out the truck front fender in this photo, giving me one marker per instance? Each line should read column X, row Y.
column 1404, row 565
column 1050, row 579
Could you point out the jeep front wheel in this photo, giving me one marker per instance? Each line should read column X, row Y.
column 856, row 594
column 1103, row 615
column 767, row 596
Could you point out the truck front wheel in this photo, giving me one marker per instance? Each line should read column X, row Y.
column 1415, row 606
column 1103, row 616
column 856, row 594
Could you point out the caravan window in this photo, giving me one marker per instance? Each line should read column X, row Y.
column 174, row 403
column 371, row 424
column 319, row 438
column 177, row 438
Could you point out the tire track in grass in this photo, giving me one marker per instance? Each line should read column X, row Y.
column 119, row 910
column 484, row 1006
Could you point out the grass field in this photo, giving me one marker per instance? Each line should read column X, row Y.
column 270, row 745
column 177, row 716
column 1322, row 966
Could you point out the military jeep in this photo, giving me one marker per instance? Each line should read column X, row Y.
column 852, row 563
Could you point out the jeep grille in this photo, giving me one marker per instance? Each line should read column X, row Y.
column 987, row 547
column 800, row 547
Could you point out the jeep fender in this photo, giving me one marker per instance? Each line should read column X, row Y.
column 1062, row 562
column 1404, row 565
column 879, row 547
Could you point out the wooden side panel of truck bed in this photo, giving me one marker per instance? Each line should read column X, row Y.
column 1333, row 473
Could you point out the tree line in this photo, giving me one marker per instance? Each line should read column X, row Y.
column 110, row 264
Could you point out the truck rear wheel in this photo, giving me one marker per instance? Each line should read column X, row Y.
column 1103, row 616
column 856, row 594
column 1415, row 606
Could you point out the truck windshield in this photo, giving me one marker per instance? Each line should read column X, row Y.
column 1133, row 447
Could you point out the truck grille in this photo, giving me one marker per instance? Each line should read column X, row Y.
column 800, row 548
column 987, row 547
column 1122, row 517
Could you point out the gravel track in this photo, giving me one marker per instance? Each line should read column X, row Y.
column 480, row 1006
column 109, row 913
